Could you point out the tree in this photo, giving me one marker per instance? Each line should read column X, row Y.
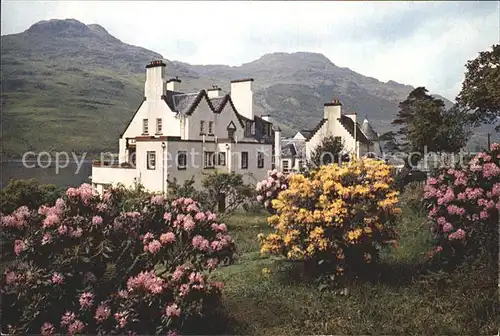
column 227, row 186
column 481, row 88
column 425, row 124
column 328, row 151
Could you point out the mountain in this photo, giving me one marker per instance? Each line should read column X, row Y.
column 68, row 86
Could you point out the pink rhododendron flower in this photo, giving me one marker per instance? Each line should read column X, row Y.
column 167, row 238
column 76, row 233
column 167, row 216
column 121, row 318
column 184, row 290
column 19, row 246
column 439, row 249
column 211, row 216
column 200, row 216
column 62, row 230
column 173, row 310
column 47, row 329
column 157, row 200
column 483, row 214
column 441, row 220
column 147, row 281
column 260, row 198
column 102, row 313
column 76, row 327
column 192, row 207
column 200, row 243
column 101, row 207
column 447, row 227
column 457, row 235
column 51, row 220
column 153, row 247
column 123, row 294
column 11, row 278
column 212, row 263
column 97, row 220
column 67, row 318
column 189, row 223
column 178, row 273
column 47, row 238
column 57, row 278
column 86, row 300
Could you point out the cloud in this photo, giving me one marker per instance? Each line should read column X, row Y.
column 416, row 43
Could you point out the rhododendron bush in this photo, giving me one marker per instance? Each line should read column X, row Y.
column 464, row 205
column 83, row 266
column 336, row 219
column 268, row 189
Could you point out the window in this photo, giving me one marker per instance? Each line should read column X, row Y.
column 286, row 165
column 210, row 127
column 248, row 128
column 151, row 156
column 230, row 133
column 244, row 160
column 209, row 160
column 202, row 127
column 222, row 159
column 145, row 129
column 260, row 160
column 300, row 165
column 181, row 160
column 159, row 126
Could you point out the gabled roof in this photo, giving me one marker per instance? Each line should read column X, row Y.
column 349, row 125
column 133, row 116
column 293, row 148
column 367, row 129
column 316, row 129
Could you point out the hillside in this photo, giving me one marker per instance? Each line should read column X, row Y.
column 70, row 86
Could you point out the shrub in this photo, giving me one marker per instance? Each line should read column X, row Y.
column 268, row 189
column 328, row 151
column 464, row 205
column 215, row 186
column 26, row 192
column 336, row 220
column 413, row 197
column 85, row 266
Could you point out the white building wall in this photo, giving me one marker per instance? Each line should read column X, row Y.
column 112, row 175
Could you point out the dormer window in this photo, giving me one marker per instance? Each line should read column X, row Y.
column 231, row 128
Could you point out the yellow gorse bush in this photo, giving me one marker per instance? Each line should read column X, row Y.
column 339, row 217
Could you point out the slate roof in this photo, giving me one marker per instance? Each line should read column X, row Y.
column 316, row 129
column 368, row 131
column 349, row 125
column 293, row 148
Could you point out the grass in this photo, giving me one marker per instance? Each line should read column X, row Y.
column 401, row 301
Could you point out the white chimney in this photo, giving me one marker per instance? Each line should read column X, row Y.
column 155, row 85
column 214, row 92
column 352, row 116
column 242, row 97
column 174, row 84
column 332, row 112
column 277, row 149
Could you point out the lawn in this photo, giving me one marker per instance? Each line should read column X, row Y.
column 402, row 301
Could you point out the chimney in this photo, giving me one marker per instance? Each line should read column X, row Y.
column 155, row 85
column 214, row 92
column 277, row 149
column 174, row 84
column 352, row 116
column 242, row 97
column 332, row 112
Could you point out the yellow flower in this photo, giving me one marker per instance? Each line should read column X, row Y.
column 266, row 271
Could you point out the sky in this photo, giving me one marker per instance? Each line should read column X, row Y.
column 416, row 43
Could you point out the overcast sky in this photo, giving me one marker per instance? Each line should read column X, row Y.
column 422, row 43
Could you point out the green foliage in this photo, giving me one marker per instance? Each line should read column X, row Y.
column 27, row 192
column 214, row 187
column 481, row 87
column 328, row 151
column 424, row 123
